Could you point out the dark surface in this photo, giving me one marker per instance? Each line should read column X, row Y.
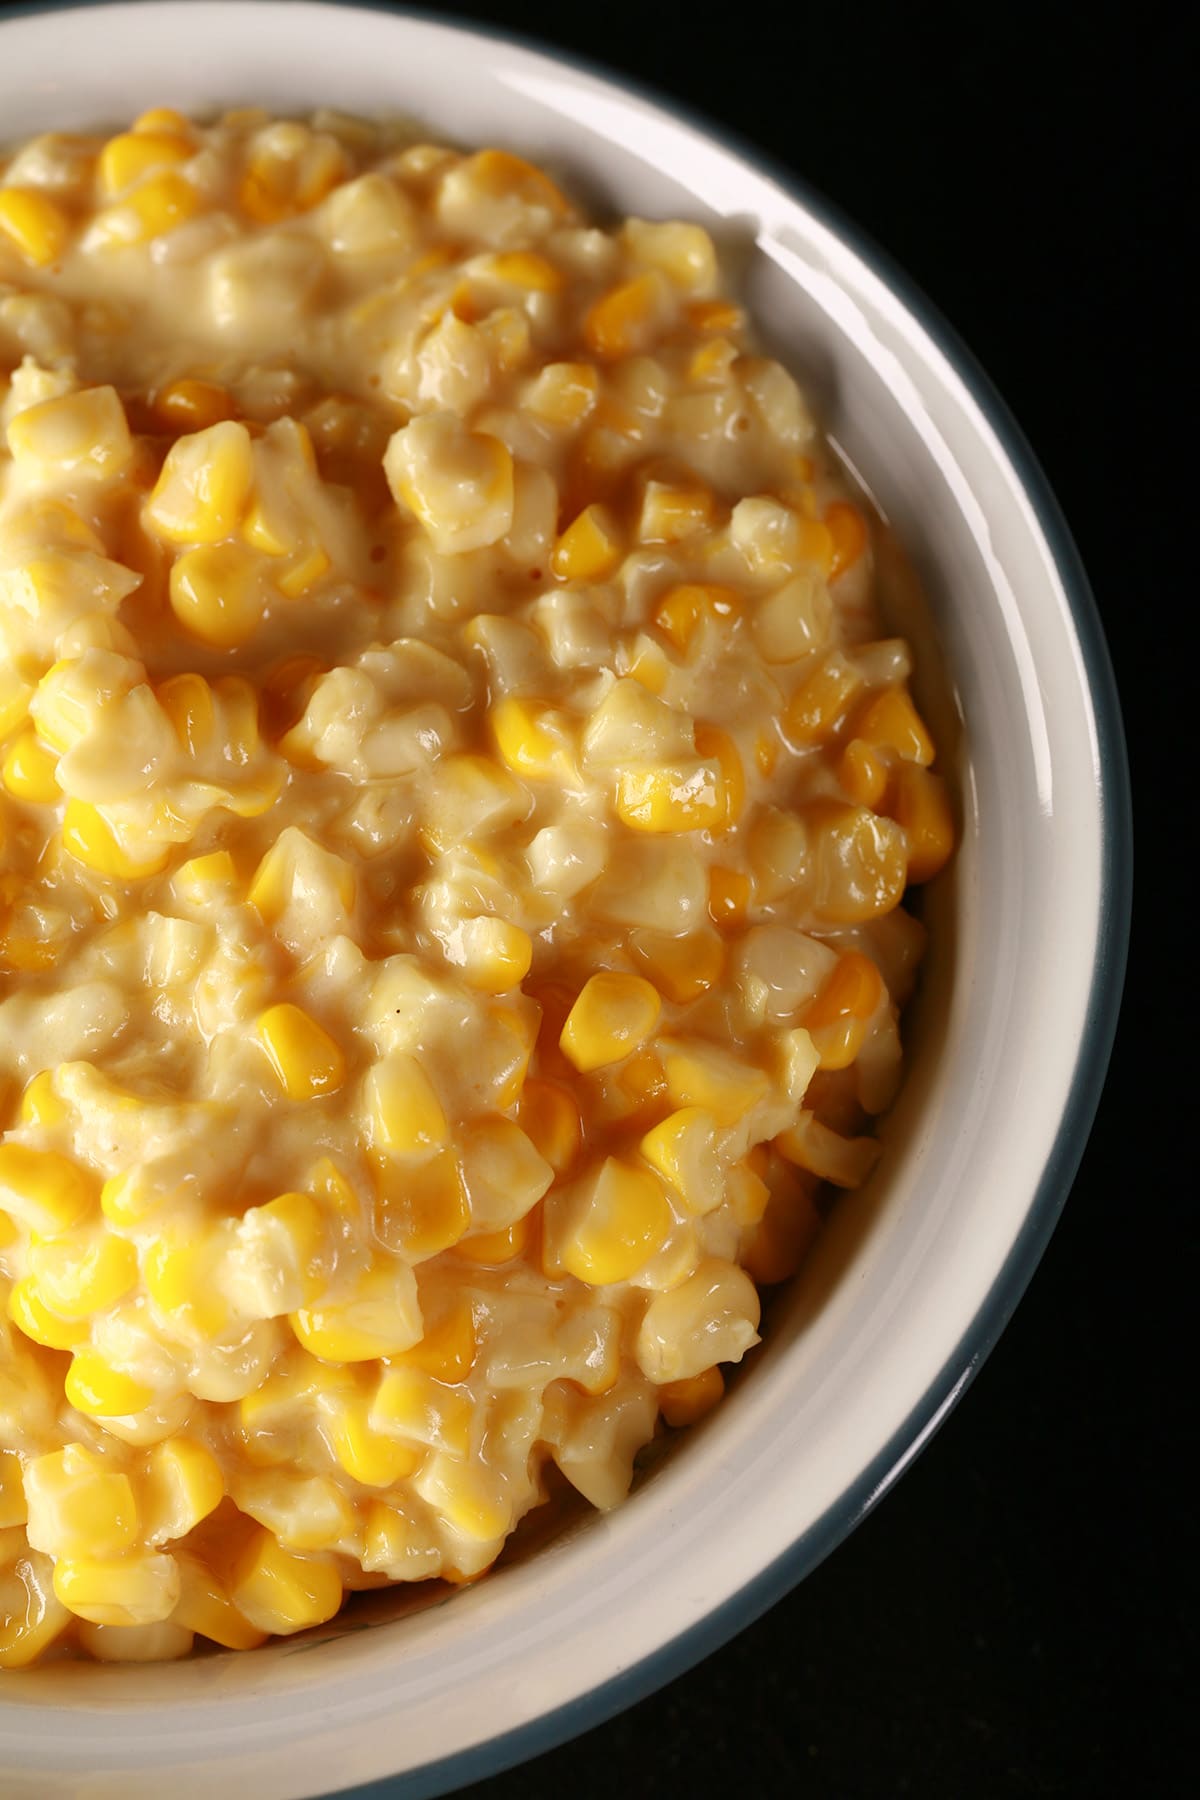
column 1017, row 1617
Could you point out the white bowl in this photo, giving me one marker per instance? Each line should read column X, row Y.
column 917, row 1275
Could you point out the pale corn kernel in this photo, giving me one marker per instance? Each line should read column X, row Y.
column 81, row 434
column 449, row 1346
column 205, row 1608
column 156, row 206
column 682, row 1147
column 30, row 1314
column 671, row 512
column 204, row 486
column 631, row 725
column 683, row 967
column 91, row 840
column 563, row 393
column 216, row 594
column 590, row 547
column 712, row 1317
column 297, row 861
column 458, row 483
column 610, row 1225
column 78, row 1505
column 31, row 1615
column 496, row 955
column 164, row 1642
column 648, row 665
column 683, row 252
column 919, row 803
column 306, row 1060
column 405, row 1116
column 379, row 1317
column 412, row 1405
column 822, row 700
column 811, row 1145
column 304, row 1512
column 421, row 1208
column 704, row 1075
column 29, row 770
column 182, row 1483
column 190, row 706
column 132, row 154
column 44, row 1190
column 673, row 797
column 136, row 1590
column 550, row 1118
column 192, row 404
column 685, row 1402
column 279, row 1592
column 82, row 1274
column 793, row 621
column 776, row 540
column 686, row 606
column 274, row 1265
column 859, row 860
column 35, row 225
column 94, row 1387
column 534, row 740
column 15, row 696
column 289, row 170
column 628, row 318
column 612, row 1016
column 503, row 1172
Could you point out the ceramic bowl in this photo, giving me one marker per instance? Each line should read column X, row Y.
column 917, row 1273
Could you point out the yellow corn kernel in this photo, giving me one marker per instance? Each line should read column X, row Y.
column 364, row 1453
column 682, row 609
column 497, row 955
column 205, row 1608
column 682, row 1148
column 414, row 1406
column 746, row 1193
column 701, row 1074
column 90, row 839
column 712, row 361
column 35, row 226
column 125, row 1199
column 280, row 183
column 126, row 158
column 29, row 770
column 524, row 269
column 589, row 549
column 825, row 1153
column 891, row 722
column 182, row 1484
column 281, row 1592
column 188, row 703
column 216, row 594
column 858, row 859
column 92, row 1386
column 682, row 968
column 918, row 802
column 550, row 1118
column 612, row 1016
column 31, row 1615
column 79, row 1275
column 422, row 1210
column 684, row 1402
column 534, row 740
column 848, row 532
column 85, row 434
column 610, row 1226
column 766, row 752
column 713, row 315
column 201, row 494
column 79, row 1505
column 837, row 1018
column 180, row 1273
column 492, row 1249
column 161, row 118
column 274, row 881
column 404, row 1113
column 13, row 1508
column 47, row 1192
column 380, row 1317
column 564, row 393
column 30, row 1314
column 306, row 1061
column 136, row 1590
column 157, row 205
column 643, row 1085
column 688, row 795
column 728, row 897
column 863, row 774
column 712, row 742
column 672, row 511
column 820, row 702
column 628, row 318
column 648, row 664
column 192, row 404
column 449, row 1346
column 303, row 573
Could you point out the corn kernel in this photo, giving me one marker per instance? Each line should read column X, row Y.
column 137, row 1590
column 30, row 1314
column 610, row 1226
column 47, row 1192
column 79, row 1275
column 628, row 318
column 821, row 701
column 713, row 315
column 422, row 1210
column 165, row 1641
column 863, row 774
column 362, row 1451
column 192, row 404
column 205, row 483
column 891, row 722
column 31, row 1615
column 280, row 1592
column 125, row 159
column 405, row 1114
column 92, row 1386
column 858, row 860
column 458, row 483
column 712, row 742
column 703, row 1075
column 13, row 1507
column 612, row 1016
column 90, row 839
column 589, row 549
column 306, row 1061
column 81, row 434
column 448, row 1348
column 379, row 1318
column 673, row 511
column 535, row 741
column 180, row 1276
column 793, row 621
column 550, row 1118
column 848, row 531
column 182, row 1485
column 685, row 1402
column 79, row 1506
column 468, row 1495
column 688, row 795
column 216, row 594
column 711, row 1317
column 496, row 955
column 728, row 897
column 825, row 1153
column 29, row 770
column 188, row 703
column 682, row 968
column 162, row 118
column 412, row 1405
column 920, row 804
column 563, row 393
column 682, row 1147
column 157, row 205
column 205, row 1607
column 34, row 224
column 684, row 608
column 492, row 1249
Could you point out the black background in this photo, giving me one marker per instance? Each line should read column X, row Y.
column 1017, row 1617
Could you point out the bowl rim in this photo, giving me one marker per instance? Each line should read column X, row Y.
column 1114, row 800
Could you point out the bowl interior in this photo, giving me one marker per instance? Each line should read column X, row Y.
column 872, row 1342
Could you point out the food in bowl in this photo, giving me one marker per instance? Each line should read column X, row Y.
column 458, row 802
